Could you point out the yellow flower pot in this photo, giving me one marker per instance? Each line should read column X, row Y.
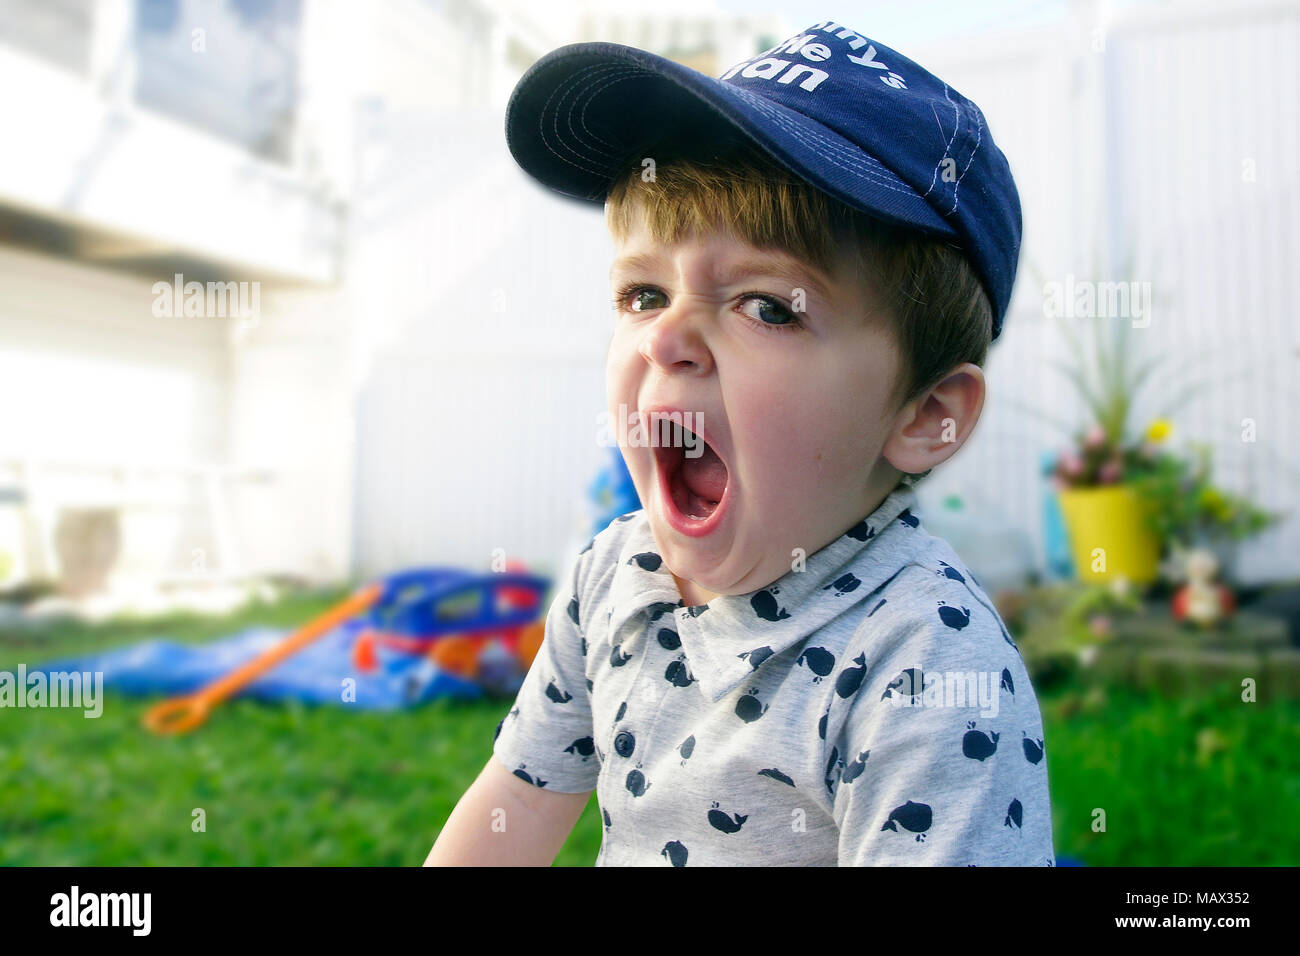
column 1108, row 536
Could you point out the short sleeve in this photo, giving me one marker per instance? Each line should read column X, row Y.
column 937, row 754
column 546, row 737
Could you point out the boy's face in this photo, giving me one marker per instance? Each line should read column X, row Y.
column 797, row 413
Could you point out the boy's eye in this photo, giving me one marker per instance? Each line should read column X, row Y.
column 763, row 311
column 638, row 295
column 769, row 311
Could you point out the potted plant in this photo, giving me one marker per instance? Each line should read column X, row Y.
column 1106, row 518
column 1121, row 495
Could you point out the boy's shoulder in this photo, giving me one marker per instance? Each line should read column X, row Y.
column 936, row 606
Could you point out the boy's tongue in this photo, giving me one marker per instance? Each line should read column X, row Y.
column 705, row 475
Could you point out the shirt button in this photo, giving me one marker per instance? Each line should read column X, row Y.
column 624, row 744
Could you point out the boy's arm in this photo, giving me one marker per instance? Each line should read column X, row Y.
column 939, row 784
column 503, row 821
column 543, row 766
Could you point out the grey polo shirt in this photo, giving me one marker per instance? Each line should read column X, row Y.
column 867, row 708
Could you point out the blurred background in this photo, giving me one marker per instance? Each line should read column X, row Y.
column 258, row 259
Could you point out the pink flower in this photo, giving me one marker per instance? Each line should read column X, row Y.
column 1095, row 437
column 1100, row 625
column 1110, row 472
column 1071, row 463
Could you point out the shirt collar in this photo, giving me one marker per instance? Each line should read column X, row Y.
column 727, row 639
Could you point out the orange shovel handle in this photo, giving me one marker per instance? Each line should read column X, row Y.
column 181, row 714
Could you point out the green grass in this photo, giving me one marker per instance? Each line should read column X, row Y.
column 1204, row 781
column 286, row 784
column 1190, row 782
column 278, row 784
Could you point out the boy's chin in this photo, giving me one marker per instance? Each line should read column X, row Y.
column 703, row 573
column 681, row 563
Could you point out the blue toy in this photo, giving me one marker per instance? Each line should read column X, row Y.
column 612, row 493
column 1056, row 541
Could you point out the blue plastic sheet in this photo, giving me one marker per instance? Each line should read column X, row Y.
column 315, row 674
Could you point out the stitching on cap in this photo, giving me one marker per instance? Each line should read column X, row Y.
column 576, row 87
column 541, row 123
column 609, row 81
column 563, row 90
column 955, row 127
column 979, row 135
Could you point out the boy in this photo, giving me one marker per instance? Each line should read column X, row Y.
column 772, row 662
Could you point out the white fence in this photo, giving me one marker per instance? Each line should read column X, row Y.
column 488, row 320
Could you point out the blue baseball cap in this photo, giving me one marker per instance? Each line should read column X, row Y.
column 847, row 114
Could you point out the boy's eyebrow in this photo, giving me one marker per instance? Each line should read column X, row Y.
column 775, row 266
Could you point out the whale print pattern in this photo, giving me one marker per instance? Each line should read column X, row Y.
column 794, row 725
column 945, row 773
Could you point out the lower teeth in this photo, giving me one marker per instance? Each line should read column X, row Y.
column 698, row 504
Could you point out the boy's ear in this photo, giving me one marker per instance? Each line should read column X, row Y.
column 930, row 428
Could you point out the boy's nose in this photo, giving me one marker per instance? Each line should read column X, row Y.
column 674, row 340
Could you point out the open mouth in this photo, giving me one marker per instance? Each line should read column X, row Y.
column 694, row 485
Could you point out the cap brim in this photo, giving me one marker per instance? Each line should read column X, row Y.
column 579, row 112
